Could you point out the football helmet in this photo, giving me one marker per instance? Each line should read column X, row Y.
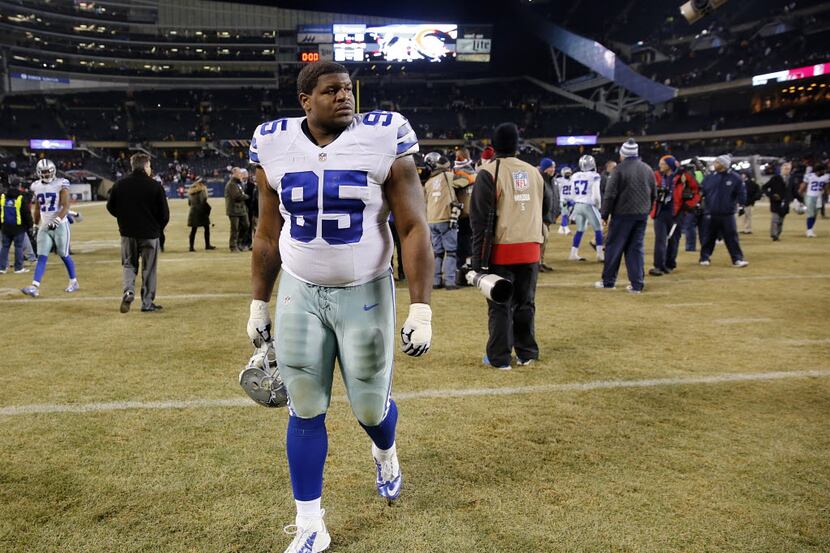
column 45, row 170
column 566, row 172
column 435, row 161
column 587, row 163
column 261, row 378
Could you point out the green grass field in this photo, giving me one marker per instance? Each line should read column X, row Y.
column 673, row 464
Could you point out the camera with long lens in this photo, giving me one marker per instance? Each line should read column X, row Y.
column 494, row 287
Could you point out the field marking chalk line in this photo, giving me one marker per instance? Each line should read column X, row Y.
column 45, row 408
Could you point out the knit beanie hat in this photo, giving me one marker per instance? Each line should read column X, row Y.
column 630, row 148
column 670, row 161
column 546, row 163
column 506, row 139
column 725, row 160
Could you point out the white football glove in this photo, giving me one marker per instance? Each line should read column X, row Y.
column 416, row 334
column 55, row 223
column 259, row 324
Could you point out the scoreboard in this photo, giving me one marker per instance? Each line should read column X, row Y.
column 400, row 43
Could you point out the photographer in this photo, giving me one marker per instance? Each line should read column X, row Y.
column 443, row 211
column 506, row 215
column 677, row 190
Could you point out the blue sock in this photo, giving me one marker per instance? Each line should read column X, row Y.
column 383, row 435
column 40, row 268
column 577, row 238
column 810, row 222
column 70, row 266
column 307, row 444
column 564, row 220
column 598, row 237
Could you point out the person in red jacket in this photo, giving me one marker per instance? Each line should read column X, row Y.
column 677, row 192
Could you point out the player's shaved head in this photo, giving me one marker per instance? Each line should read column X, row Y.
column 307, row 79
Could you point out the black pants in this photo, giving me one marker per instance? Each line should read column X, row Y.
column 720, row 225
column 193, row 236
column 512, row 324
column 665, row 246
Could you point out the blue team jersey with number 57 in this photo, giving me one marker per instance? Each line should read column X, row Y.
column 335, row 230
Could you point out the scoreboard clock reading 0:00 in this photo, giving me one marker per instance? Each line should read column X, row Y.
column 308, row 56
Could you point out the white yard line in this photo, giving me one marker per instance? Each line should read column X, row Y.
column 15, row 410
column 746, row 320
column 817, row 342
column 700, row 304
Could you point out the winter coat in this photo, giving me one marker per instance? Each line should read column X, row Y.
column 235, row 198
column 197, row 199
column 685, row 195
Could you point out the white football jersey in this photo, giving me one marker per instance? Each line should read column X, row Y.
column 585, row 187
column 48, row 198
column 336, row 230
column 815, row 183
column 565, row 189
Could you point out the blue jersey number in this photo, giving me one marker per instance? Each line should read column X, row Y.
column 300, row 193
column 816, row 186
column 50, row 198
column 273, row 126
column 373, row 117
column 584, row 185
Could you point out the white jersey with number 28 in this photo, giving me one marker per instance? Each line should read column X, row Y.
column 336, row 230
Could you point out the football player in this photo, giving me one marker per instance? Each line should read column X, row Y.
column 327, row 183
column 565, row 190
column 585, row 185
column 812, row 189
column 50, row 214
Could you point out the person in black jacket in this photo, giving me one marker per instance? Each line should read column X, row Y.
column 777, row 190
column 629, row 194
column 723, row 194
column 140, row 205
column 753, row 194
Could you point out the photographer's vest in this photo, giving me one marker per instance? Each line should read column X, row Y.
column 439, row 195
column 520, row 192
column 11, row 210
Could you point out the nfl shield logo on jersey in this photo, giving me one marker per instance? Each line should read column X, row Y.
column 322, row 156
column 520, row 181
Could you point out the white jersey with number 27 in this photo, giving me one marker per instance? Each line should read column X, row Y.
column 48, row 197
column 336, row 230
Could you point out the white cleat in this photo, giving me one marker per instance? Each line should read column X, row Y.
column 561, row 230
column 811, row 233
column 601, row 286
column 389, row 478
column 73, row 287
column 574, row 256
column 601, row 254
column 31, row 291
column 740, row 263
column 567, row 230
column 309, row 536
column 19, row 271
column 705, row 263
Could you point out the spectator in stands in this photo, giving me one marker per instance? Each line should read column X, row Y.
column 140, row 206
column 547, row 167
column 723, row 191
column 777, row 190
column 753, row 194
column 235, row 208
column 199, row 214
column 15, row 218
column 629, row 195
